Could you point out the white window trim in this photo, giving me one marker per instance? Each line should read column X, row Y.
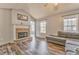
column 43, row 25
column 70, row 16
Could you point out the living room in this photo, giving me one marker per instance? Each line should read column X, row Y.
column 39, row 29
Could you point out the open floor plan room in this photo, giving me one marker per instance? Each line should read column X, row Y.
column 39, row 28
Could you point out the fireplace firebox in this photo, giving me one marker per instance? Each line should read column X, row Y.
column 22, row 33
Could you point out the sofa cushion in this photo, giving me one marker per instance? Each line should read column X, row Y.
column 68, row 35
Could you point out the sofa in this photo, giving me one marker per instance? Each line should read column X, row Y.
column 61, row 37
column 71, row 35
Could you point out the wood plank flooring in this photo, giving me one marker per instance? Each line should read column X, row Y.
column 34, row 47
column 56, row 49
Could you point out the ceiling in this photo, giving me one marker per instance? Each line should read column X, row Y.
column 38, row 10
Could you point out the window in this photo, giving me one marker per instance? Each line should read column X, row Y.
column 43, row 26
column 32, row 29
column 70, row 23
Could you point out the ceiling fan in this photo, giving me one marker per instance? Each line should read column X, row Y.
column 54, row 5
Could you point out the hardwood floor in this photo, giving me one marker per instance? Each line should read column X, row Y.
column 56, row 49
column 34, row 47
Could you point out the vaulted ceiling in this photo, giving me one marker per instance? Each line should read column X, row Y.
column 38, row 10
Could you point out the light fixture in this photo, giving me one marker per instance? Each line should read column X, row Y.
column 54, row 5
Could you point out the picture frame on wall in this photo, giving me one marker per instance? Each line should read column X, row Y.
column 22, row 17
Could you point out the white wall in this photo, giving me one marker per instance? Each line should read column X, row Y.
column 5, row 26
column 55, row 22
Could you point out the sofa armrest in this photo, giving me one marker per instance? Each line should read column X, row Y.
column 57, row 40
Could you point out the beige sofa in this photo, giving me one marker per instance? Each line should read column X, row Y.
column 62, row 37
column 68, row 35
